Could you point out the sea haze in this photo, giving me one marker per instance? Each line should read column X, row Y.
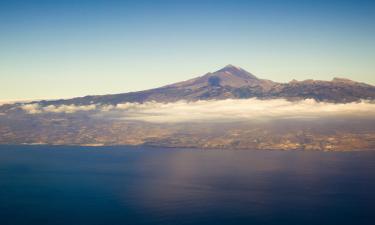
column 53, row 185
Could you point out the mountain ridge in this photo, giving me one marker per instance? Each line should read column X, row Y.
column 236, row 83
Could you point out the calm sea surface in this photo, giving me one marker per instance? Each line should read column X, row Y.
column 127, row 185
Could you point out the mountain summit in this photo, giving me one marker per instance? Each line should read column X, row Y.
column 237, row 71
column 229, row 76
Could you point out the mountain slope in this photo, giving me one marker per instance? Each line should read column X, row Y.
column 234, row 82
column 338, row 90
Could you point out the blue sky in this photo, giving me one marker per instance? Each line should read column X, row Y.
column 60, row 49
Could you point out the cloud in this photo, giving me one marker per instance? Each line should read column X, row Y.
column 31, row 108
column 216, row 110
column 36, row 108
column 68, row 108
column 236, row 110
column 4, row 102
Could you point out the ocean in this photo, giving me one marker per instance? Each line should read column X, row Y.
column 64, row 185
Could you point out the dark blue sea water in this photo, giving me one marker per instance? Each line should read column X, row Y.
column 126, row 185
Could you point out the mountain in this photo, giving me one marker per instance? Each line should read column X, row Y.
column 236, row 83
column 274, row 119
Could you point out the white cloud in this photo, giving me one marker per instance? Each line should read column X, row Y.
column 215, row 110
column 68, row 108
column 31, row 108
column 36, row 108
column 3, row 102
column 237, row 110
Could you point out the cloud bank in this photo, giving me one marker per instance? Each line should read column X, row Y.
column 36, row 108
column 214, row 110
column 4, row 102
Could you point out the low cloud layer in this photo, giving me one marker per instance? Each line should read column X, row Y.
column 36, row 108
column 4, row 102
column 214, row 110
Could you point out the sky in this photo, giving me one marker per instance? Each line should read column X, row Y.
column 61, row 49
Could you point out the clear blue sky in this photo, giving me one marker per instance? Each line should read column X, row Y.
column 52, row 49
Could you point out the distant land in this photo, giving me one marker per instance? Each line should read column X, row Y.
column 230, row 108
column 235, row 83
